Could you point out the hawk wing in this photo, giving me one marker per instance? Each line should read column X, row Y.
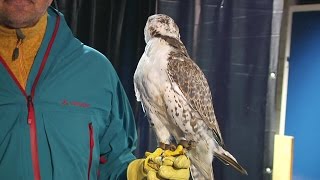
column 194, row 86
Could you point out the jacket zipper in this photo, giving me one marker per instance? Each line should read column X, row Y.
column 91, row 148
column 33, row 138
column 31, row 112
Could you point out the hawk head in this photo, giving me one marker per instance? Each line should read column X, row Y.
column 160, row 24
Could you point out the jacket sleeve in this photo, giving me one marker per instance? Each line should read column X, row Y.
column 119, row 139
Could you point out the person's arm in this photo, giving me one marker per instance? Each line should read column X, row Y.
column 119, row 140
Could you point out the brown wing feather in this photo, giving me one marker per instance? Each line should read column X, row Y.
column 194, row 86
column 175, row 43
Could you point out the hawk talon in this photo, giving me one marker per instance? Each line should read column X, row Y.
column 178, row 151
column 188, row 144
column 164, row 146
column 171, row 147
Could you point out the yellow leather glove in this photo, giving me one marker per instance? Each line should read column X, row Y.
column 175, row 168
column 159, row 168
column 136, row 171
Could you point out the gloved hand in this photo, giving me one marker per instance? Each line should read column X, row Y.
column 136, row 171
column 159, row 167
column 175, row 168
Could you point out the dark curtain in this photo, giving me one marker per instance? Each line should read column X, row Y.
column 229, row 40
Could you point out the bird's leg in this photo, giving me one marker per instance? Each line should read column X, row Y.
column 178, row 151
column 181, row 149
column 171, row 147
column 188, row 144
column 164, row 146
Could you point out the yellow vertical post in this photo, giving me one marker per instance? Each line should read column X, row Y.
column 283, row 157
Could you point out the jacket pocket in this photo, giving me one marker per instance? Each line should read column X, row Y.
column 91, row 145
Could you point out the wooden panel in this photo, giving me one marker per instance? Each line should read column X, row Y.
column 283, row 157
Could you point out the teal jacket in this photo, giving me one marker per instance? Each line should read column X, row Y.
column 73, row 121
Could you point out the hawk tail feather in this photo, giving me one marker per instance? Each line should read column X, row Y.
column 228, row 159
